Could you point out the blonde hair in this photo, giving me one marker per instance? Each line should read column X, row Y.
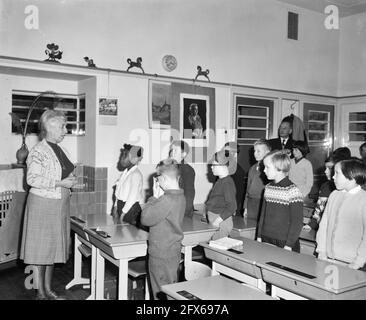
column 262, row 142
column 47, row 117
column 280, row 160
column 168, row 167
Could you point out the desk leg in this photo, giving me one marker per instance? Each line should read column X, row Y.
column 214, row 271
column 123, row 280
column 78, row 279
column 99, row 278
column 93, row 273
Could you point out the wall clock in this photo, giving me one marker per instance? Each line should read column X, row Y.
column 169, row 62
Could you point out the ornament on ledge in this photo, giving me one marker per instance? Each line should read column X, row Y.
column 136, row 64
column 202, row 73
column 53, row 53
column 90, row 62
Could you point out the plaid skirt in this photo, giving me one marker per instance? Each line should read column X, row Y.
column 46, row 229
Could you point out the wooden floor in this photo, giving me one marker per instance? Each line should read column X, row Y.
column 12, row 280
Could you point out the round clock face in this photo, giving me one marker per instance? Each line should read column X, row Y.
column 169, row 62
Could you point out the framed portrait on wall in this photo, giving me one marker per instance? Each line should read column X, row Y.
column 194, row 119
column 160, row 104
column 108, row 106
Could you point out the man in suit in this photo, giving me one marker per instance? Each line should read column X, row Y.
column 284, row 141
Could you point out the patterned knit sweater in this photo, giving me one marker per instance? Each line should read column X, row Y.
column 282, row 212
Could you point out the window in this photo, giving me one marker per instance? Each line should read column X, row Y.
column 318, row 126
column 253, row 119
column 292, row 25
column 73, row 106
column 357, row 126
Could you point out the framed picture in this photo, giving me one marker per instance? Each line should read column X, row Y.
column 194, row 119
column 108, row 106
column 160, row 102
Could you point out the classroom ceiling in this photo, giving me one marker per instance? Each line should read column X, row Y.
column 346, row 7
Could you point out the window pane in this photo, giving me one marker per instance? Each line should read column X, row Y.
column 252, row 134
column 256, row 123
column 70, row 116
column 357, row 116
column 318, row 116
column 318, row 126
column 82, row 129
column 251, row 111
column 71, row 128
column 357, row 136
column 82, row 103
column 357, row 127
column 82, row 116
column 317, row 136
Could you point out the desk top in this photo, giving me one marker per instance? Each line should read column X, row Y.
column 120, row 235
column 95, row 220
column 261, row 253
column 195, row 225
column 241, row 224
column 215, row 288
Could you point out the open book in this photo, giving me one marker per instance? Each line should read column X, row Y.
column 225, row 243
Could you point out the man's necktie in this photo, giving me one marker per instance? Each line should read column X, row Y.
column 283, row 143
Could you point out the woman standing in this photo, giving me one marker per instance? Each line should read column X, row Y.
column 46, row 228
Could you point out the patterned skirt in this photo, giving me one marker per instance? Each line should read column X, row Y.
column 46, row 230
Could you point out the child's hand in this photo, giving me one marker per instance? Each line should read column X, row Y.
column 217, row 222
column 157, row 191
column 288, row 248
column 259, row 239
column 245, row 214
column 306, row 228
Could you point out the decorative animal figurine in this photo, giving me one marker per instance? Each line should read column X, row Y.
column 202, row 73
column 90, row 62
column 53, row 53
column 136, row 64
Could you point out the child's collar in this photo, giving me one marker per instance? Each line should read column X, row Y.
column 354, row 190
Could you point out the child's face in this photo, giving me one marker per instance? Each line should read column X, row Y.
column 340, row 181
column 260, row 151
column 297, row 153
column 328, row 170
column 219, row 170
column 363, row 153
column 177, row 154
column 162, row 181
column 269, row 169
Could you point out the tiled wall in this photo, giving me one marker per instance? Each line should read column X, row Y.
column 92, row 197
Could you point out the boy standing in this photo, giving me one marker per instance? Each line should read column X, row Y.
column 281, row 218
column 164, row 213
column 256, row 181
column 179, row 151
column 221, row 203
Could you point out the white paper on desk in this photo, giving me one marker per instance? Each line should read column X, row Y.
column 225, row 243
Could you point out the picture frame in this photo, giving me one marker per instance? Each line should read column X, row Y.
column 194, row 119
column 160, row 104
column 108, row 106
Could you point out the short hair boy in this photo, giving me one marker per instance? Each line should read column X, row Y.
column 221, row 203
column 164, row 213
column 281, row 217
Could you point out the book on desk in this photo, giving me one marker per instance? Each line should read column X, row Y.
column 225, row 243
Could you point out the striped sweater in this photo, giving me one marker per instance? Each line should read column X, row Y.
column 282, row 212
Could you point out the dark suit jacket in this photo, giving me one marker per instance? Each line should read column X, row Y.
column 186, row 182
column 277, row 145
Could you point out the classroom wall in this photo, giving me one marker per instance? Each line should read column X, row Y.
column 240, row 41
column 10, row 142
column 352, row 56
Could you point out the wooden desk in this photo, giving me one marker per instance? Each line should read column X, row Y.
column 195, row 231
column 124, row 245
column 238, row 266
column 328, row 280
column 126, row 242
column 244, row 227
column 215, row 288
column 346, row 284
column 81, row 237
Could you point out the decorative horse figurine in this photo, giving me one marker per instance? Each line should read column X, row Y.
column 202, row 73
column 90, row 62
column 53, row 52
column 136, row 64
